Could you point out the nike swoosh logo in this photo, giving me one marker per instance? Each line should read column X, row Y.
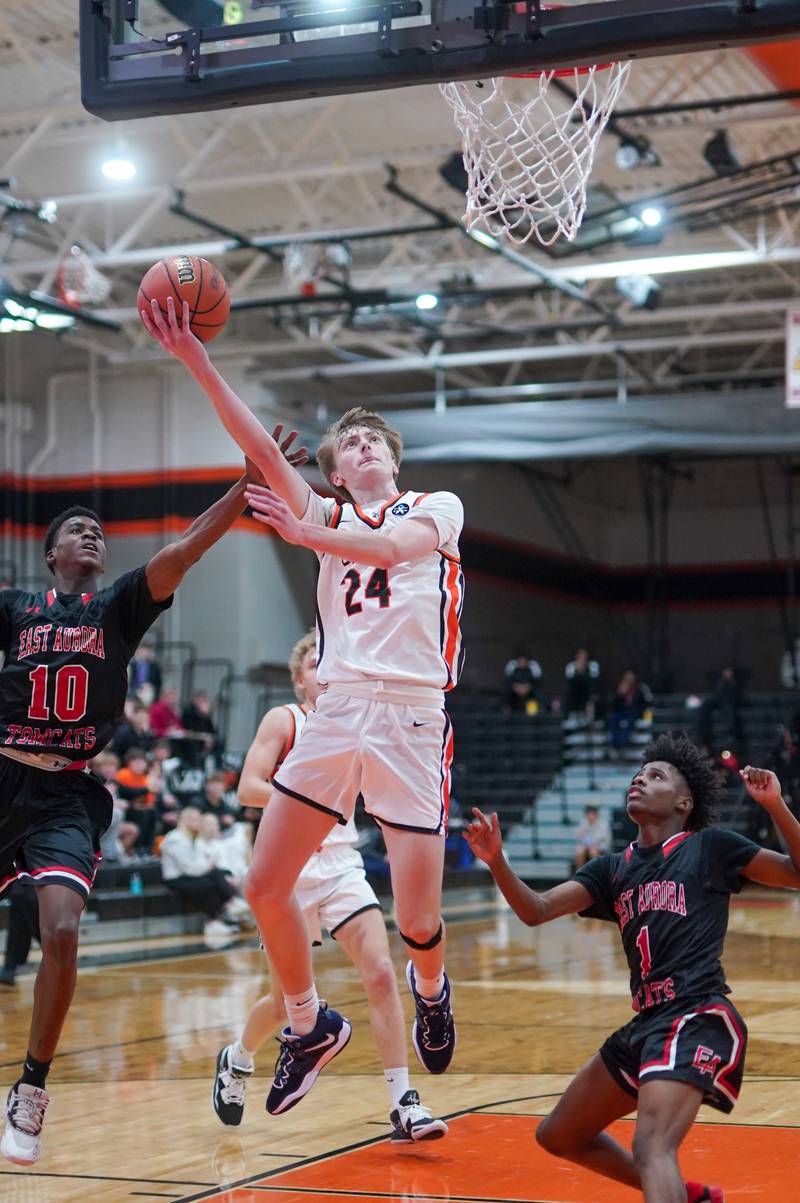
column 326, row 1043
column 420, row 724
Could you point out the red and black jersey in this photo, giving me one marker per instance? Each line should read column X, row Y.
column 671, row 904
column 64, row 682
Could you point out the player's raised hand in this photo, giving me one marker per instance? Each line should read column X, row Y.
column 271, row 510
column 174, row 333
column 483, row 836
column 296, row 457
column 762, row 786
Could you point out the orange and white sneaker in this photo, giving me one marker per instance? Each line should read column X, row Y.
column 25, row 1108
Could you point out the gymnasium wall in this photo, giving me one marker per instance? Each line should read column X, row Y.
column 145, row 447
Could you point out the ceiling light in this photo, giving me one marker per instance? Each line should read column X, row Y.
column 627, row 156
column 652, row 216
column 118, row 169
column 427, row 300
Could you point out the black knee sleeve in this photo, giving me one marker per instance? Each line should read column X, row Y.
column 435, row 939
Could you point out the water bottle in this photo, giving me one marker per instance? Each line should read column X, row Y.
column 136, row 886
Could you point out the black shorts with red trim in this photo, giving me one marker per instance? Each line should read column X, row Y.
column 50, row 826
column 702, row 1044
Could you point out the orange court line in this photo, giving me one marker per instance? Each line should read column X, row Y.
column 495, row 1158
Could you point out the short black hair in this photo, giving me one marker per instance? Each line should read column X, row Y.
column 705, row 784
column 74, row 511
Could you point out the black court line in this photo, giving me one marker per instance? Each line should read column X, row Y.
column 360, row 1144
column 288, row 1154
column 407, row 1194
column 109, row 1178
column 155, row 1194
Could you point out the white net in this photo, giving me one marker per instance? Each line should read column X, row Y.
column 528, row 161
column 79, row 282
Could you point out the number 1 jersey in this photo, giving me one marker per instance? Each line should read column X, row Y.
column 399, row 625
column 65, row 679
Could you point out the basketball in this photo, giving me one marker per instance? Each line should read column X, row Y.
column 188, row 278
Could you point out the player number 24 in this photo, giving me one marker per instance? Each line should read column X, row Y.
column 377, row 587
column 70, row 692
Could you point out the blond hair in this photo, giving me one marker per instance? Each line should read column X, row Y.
column 299, row 653
column 358, row 416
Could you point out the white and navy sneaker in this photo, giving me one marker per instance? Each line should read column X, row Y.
column 230, row 1084
column 25, row 1108
column 302, row 1058
column 434, row 1031
column 412, row 1122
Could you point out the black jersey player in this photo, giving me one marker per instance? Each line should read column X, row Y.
column 669, row 893
column 62, row 691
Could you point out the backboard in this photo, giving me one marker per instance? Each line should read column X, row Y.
column 140, row 58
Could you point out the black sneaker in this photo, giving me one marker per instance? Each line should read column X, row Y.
column 434, row 1032
column 303, row 1057
column 230, row 1084
column 8, row 977
column 411, row 1122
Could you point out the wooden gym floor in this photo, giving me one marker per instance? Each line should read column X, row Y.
column 131, row 1117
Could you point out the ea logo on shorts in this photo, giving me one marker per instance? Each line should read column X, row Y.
column 400, row 509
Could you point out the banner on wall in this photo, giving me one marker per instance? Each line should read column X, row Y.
column 793, row 357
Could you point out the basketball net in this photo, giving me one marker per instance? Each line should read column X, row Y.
column 302, row 265
column 527, row 162
column 78, row 280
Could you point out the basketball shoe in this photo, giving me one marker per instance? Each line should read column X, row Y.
column 411, row 1122
column 697, row 1193
column 434, row 1031
column 302, row 1058
column 25, row 1108
column 230, row 1084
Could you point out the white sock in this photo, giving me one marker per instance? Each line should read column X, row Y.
column 302, row 1010
column 241, row 1057
column 430, row 988
column 397, row 1083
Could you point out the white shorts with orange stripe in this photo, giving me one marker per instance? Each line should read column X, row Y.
column 396, row 755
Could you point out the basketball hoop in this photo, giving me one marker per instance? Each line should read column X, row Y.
column 527, row 163
column 302, row 266
column 78, row 280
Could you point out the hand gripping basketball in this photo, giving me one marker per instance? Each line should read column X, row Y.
column 191, row 279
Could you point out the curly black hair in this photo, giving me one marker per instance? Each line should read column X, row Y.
column 74, row 511
column 697, row 769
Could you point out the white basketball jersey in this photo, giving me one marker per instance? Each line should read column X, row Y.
column 399, row 625
column 342, row 835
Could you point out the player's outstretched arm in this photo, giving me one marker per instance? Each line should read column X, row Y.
column 272, row 738
column 484, row 838
column 175, row 336
column 773, row 868
column 407, row 543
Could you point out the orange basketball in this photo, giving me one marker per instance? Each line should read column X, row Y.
column 188, row 278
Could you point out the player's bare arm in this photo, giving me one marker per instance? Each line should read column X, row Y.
column 484, row 838
column 167, row 568
column 175, row 336
column 408, row 542
column 773, row 868
column 273, row 739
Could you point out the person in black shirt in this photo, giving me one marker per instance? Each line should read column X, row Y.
column 62, row 692
column 669, row 893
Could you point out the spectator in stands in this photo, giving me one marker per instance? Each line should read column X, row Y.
column 197, row 720
column 118, row 842
column 594, row 836
column 186, row 869
column 522, row 677
column 582, row 677
column 134, row 786
column 164, row 717
column 135, row 733
column 627, row 707
column 23, row 927
column 726, row 701
column 144, row 673
column 790, row 667
column 213, row 801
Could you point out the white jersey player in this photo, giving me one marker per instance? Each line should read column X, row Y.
column 334, row 894
column 389, row 648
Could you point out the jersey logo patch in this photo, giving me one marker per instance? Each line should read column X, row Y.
column 399, row 510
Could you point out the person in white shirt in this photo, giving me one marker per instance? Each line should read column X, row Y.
column 334, row 894
column 389, row 646
column 187, row 867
